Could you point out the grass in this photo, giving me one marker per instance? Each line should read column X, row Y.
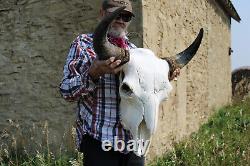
column 42, row 159
column 23, row 151
column 223, row 140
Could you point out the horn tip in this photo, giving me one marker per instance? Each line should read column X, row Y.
column 202, row 31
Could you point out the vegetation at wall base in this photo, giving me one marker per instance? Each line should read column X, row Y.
column 22, row 152
column 42, row 159
column 223, row 140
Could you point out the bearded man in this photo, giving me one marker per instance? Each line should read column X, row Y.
column 94, row 84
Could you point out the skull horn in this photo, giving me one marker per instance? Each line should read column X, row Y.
column 185, row 56
column 182, row 58
column 103, row 48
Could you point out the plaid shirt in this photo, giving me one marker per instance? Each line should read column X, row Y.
column 98, row 102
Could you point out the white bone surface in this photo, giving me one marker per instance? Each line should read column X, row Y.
column 147, row 77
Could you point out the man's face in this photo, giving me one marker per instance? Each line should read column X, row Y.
column 118, row 27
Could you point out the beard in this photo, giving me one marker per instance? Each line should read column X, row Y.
column 118, row 32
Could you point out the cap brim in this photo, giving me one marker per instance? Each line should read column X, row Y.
column 112, row 9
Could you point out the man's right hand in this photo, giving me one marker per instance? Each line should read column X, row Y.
column 101, row 67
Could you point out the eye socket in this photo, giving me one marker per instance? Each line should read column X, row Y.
column 126, row 89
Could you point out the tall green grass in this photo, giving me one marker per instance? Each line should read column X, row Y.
column 223, row 140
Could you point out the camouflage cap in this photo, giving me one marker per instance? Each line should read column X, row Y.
column 112, row 5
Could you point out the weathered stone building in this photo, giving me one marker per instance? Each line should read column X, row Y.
column 35, row 36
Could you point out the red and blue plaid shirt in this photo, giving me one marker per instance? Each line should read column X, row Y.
column 98, row 102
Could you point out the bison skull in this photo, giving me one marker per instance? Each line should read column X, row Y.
column 144, row 84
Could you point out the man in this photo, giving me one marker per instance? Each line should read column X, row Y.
column 94, row 84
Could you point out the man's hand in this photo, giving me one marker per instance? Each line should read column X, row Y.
column 175, row 74
column 101, row 67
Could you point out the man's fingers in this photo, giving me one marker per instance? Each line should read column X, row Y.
column 115, row 64
column 175, row 74
column 178, row 71
column 110, row 60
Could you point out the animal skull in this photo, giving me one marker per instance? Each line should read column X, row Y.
column 144, row 82
column 144, row 86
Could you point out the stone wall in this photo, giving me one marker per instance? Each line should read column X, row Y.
column 35, row 36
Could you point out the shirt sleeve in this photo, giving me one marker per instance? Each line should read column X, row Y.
column 76, row 79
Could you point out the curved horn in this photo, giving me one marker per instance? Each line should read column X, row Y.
column 182, row 58
column 185, row 56
column 103, row 48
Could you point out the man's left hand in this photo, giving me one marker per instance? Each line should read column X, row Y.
column 175, row 74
